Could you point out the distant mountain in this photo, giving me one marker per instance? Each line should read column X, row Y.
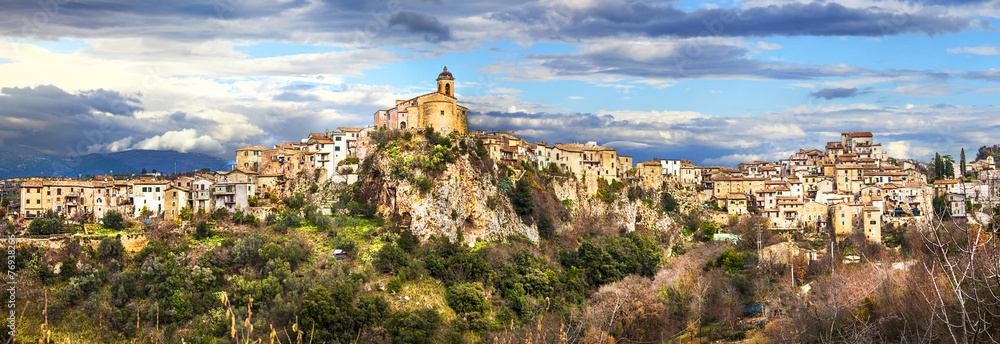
column 24, row 161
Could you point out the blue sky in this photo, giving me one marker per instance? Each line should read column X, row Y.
column 716, row 82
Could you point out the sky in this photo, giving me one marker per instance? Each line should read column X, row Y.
column 714, row 82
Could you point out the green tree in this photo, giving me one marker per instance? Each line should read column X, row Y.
column 668, row 202
column 416, row 326
column 114, row 220
column 50, row 223
column 186, row 213
column 962, row 163
column 110, row 249
column 523, row 200
column 938, row 166
column 467, row 298
column 202, row 230
column 948, row 166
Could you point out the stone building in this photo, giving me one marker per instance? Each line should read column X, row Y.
column 439, row 110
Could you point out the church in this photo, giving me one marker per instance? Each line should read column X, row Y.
column 439, row 110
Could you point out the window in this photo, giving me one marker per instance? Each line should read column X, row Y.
column 157, row 189
column 336, row 148
column 337, row 138
column 442, row 112
column 59, row 191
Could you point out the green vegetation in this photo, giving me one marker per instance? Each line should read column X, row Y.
column 114, row 220
column 50, row 223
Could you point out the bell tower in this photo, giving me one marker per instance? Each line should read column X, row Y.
column 446, row 83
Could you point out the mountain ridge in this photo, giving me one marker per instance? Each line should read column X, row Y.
column 25, row 161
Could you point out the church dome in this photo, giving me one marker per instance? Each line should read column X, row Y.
column 445, row 75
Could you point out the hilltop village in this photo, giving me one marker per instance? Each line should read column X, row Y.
column 416, row 229
column 849, row 186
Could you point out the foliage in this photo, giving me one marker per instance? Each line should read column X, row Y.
column 416, row 326
column 50, row 223
column 522, row 197
column 114, row 220
column 668, row 202
column 545, row 228
column 706, row 231
column 202, row 230
column 608, row 192
column 729, row 260
column 110, row 249
column 636, row 253
column 424, row 184
column 296, row 201
column 467, row 298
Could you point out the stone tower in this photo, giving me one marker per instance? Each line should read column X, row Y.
column 446, row 83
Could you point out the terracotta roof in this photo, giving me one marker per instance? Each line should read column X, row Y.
column 32, row 184
column 350, row 129
column 861, row 134
column 946, row 181
column 252, row 148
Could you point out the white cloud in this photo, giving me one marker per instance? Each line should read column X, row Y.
column 980, row 50
column 575, row 97
column 768, row 46
column 182, row 141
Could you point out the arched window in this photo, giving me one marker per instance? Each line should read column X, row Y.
column 447, row 89
column 402, row 125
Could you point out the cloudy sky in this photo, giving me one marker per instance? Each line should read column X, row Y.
column 716, row 82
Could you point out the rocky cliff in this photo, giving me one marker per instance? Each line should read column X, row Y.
column 443, row 186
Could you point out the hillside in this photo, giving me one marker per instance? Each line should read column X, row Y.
column 986, row 151
column 24, row 161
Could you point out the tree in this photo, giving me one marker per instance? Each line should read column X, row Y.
column 467, row 298
column 938, row 166
column 202, row 230
column 962, row 163
column 110, row 249
column 417, row 326
column 50, row 223
column 114, row 220
column 524, row 203
column 948, row 166
column 144, row 170
column 187, row 213
column 206, row 170
column 668, row 201
column 154, row 171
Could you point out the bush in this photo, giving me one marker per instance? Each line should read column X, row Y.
column 729, row 259
column 668, row 202
column 545, row 228
column 395, row 285
column 114, row 220
column 50, row 223
column 297, row 201
column 202, row 230
column 467, row 298
column 524, row 203
column 416, row 326
column 424, row 184
column 110, row 249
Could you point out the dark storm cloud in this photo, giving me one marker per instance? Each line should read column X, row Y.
column 794, row 19
column 432, row 29
column 195, row 20
column 834, row 93
column 56, row 121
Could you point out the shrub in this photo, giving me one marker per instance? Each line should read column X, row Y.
column 545, row 228
column 522, row 198
column 668, row 202
column 114, row 220
column 50, row 223
column 416, row 326
column 296, row 201
column 424, row 184
column 110, row 248
column 395, row 285
column 467, row 298
column 202, row 230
